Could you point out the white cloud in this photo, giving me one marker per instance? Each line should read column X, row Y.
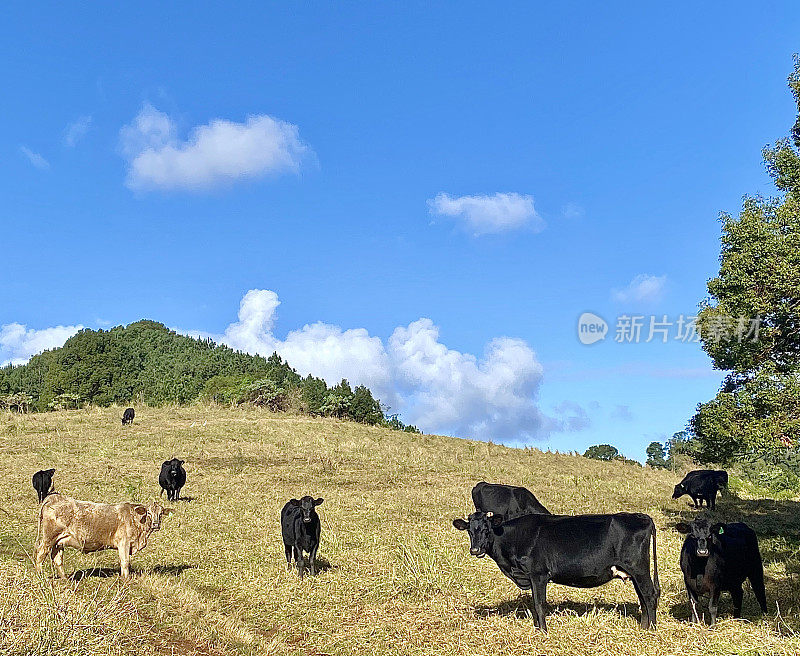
column 435, row 387
column 214, row 155
column 19, row 343
column 489, row 214
column 77, row 130
column 34, row 158
column 644, row 288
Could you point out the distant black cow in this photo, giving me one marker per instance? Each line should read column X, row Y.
column 300, row 527
column 717, row 557
column 127, row 416
column 702, row 485
column 172, row 478
column 582, row 551
column 507, row 500
column 42, row 482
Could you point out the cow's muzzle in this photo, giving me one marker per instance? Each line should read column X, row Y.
column 703, row 553
column 306, row 520
column 480, row 553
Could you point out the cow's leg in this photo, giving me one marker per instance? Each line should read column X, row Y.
column 646, row 592
column 736, row 596
column 312, row 559
column 693, row 602
column 288, row 551
column 712, row 501
column 124, row 550
column 299, row 561
column 57, row 554
column 757, row 583
column 41, row 552
column 713, row 604
column 539, row 597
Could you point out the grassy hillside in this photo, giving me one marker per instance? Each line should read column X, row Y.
column 397, row 579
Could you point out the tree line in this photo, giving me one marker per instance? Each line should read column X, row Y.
column 146, row 362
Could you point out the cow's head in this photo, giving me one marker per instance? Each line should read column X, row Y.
column 678, row 491
column 174, row 466
column 306, row 505
column 701, row 535
column 151, row 514
column 480, row 526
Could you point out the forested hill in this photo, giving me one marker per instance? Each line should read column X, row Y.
column 147, row 362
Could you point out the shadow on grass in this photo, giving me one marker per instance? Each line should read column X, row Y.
column 108, row 572
column 522, row 605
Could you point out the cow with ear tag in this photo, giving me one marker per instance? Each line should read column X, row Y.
column 717, row 558
column 89, row 527
column 581, row 551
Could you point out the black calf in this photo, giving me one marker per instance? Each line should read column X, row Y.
column 301, row 529
column 172, row 478
column 42, row 482
column 717, row 557
column 127, row 416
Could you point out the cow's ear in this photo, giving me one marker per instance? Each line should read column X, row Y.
column 294, row 502
column 496, row 520
column 682, row 527
column 167, row 511
column 181, row 461
column 140, row 510
column 460, row 524
column 318, row 502
column 718, row 529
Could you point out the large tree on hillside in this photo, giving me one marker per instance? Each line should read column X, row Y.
column 750, row 325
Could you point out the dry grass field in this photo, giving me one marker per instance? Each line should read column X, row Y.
column 397, row 577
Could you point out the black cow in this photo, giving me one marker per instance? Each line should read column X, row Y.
column 127, row 416
column 717, row 557
column 301, row 529
column 581, row 551
column 42, row 482
column 172, row 478
column 507, row 500
column 702, row 485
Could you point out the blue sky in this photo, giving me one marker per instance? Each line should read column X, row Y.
column 435, row 193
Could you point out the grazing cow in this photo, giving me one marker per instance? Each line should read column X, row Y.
column 127, row 416
column 507, row 500
column 172, row 478
column 89, row 527
column 582, row 551
column 702, row 485
column 300, row 527
column 43, row 482
column 717, row 557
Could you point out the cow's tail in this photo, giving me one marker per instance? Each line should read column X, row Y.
column 655, row 560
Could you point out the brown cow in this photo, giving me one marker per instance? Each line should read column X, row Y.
column 89, row 527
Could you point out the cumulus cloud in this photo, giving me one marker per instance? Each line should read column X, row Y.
column 217, row 154
column 77, row 130
column 34, row 158
column 644, row 288
column 440, row 389
column 19, row 343
column 483, row 215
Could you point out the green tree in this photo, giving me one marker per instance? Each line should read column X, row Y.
column 655, row 455
column 601, row 452
column 750, row 324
